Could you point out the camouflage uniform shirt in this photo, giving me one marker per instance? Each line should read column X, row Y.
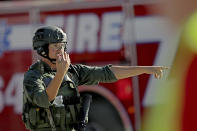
column 39, row 75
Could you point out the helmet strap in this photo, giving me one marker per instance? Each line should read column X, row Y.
column 52, row 60
column 44, row 52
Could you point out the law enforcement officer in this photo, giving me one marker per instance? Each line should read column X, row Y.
column 51, row 100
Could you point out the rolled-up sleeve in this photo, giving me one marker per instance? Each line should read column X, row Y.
column 36, row 90
column 91, row 75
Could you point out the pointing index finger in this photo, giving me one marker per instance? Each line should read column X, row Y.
column 164, row 68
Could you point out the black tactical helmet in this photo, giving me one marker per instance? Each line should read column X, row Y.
column 48, row 35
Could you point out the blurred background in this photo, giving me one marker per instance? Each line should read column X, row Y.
column 100, row 32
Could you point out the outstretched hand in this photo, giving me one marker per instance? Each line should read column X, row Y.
column 157, row 71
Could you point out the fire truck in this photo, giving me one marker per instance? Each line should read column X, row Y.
column 99, row 33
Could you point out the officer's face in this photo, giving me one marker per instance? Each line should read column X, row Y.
column 55, row 49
